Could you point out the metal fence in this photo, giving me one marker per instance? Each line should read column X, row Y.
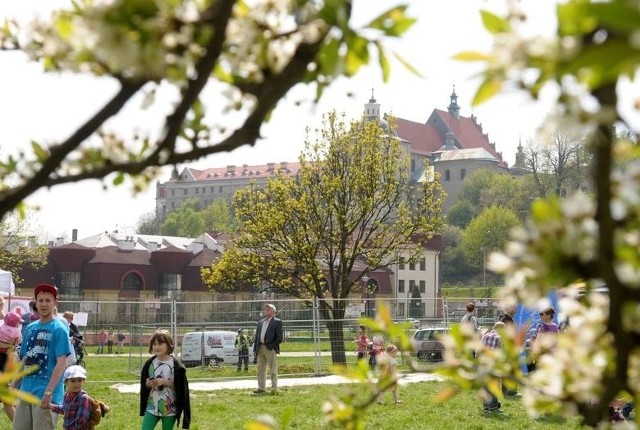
column 306, row 333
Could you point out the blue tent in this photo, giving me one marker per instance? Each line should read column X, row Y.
column 528, row 319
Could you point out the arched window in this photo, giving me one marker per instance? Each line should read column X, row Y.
column 132, row 282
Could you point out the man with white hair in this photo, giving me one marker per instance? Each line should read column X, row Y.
column 266, row 346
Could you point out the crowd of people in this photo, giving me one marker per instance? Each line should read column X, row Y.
column 49, row 342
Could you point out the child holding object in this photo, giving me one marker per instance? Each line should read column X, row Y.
column 76, row 407
column 164, row 389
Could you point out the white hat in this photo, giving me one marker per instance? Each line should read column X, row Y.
column 75, row 371
column 269, row 305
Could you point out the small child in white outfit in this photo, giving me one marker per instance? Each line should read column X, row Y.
column 388, row 373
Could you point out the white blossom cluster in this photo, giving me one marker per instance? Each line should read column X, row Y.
column 570, row 367
column 155, row 40
column 562, row 230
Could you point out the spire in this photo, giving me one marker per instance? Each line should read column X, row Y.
column 174, row 173
column 520, row 154
column 454, row 109
column 372, row 109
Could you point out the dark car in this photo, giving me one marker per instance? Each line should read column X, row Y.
column 426, row 343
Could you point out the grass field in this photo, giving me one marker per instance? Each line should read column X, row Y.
column 231, row 409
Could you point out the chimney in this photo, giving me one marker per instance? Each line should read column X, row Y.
column 152, row 246
column 59, row 241
column 127, row 244
column 74, row 235
column 271, row 166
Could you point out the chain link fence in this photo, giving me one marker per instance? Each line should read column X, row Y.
column 306, row 330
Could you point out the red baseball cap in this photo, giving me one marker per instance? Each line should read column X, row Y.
column 46, row 288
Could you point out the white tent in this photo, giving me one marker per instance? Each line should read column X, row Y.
column 6, row 283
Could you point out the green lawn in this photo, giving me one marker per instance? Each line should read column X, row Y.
column 231, row 409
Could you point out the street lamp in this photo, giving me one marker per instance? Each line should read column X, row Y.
column 484, row 266
column 365, row 279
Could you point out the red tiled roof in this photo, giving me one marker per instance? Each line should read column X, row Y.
column 426, row 138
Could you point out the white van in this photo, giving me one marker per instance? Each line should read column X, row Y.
column 210, row 348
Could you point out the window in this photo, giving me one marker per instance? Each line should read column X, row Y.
column 413, row 165
column 423, row 264
column 401, row 309
column 447, row 175
column 463, row 173
column 412, row 265
column 197, row 190
column 173, row 192
column 220, row 189
column 185, row 192
column 422, row 286
column 132, row 282
column 69, row 283
column 401, row 286
column 412, row 286
column 212, row 190
column 401, row 263
column 169, row 286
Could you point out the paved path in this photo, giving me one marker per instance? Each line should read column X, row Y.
column 250, row 384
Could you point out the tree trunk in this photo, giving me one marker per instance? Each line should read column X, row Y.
column 336, row 337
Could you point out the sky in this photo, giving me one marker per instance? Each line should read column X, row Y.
column 47, row 107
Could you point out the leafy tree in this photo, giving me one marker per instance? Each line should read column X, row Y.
column 254, row 53
column 556, row 165
column 453, row 265
column 461, row 213
column 487, row 232
column 218, row 216
column 148, row 223
column 345, row 215
column 583, row 239
column 19, row 249
column 184, row 222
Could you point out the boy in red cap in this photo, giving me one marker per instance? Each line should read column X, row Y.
column 45, row 345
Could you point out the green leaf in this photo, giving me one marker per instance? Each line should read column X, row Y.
column 329, row 57
column 40, row 153
column 489, row 88
column 357, row 54
column 407, row 65
column 493, row 23
column 119, row 179
column 384, row 62
column 393, row 22
column 473, row 56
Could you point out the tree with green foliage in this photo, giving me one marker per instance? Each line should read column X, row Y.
column 218, row 216
column 186, row 221
column 582, row 240
column 253, row 53
column 19, row 249
column 345, row 215
column 487, row 232
column 453, row 265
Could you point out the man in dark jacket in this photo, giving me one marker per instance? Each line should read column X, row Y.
column 266, row 346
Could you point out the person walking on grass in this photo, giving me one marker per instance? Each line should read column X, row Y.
column 164, row 388
column 491, row 340
column 242, row 345
column 388, row 376
column 266, row 347
column 102, row 341
column 46, row 345
column 362, row 341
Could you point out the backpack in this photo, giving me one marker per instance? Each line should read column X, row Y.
column 120, row 337
column 97, row 410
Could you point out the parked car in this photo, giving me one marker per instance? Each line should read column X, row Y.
column 414, row 322
column 426, row 343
